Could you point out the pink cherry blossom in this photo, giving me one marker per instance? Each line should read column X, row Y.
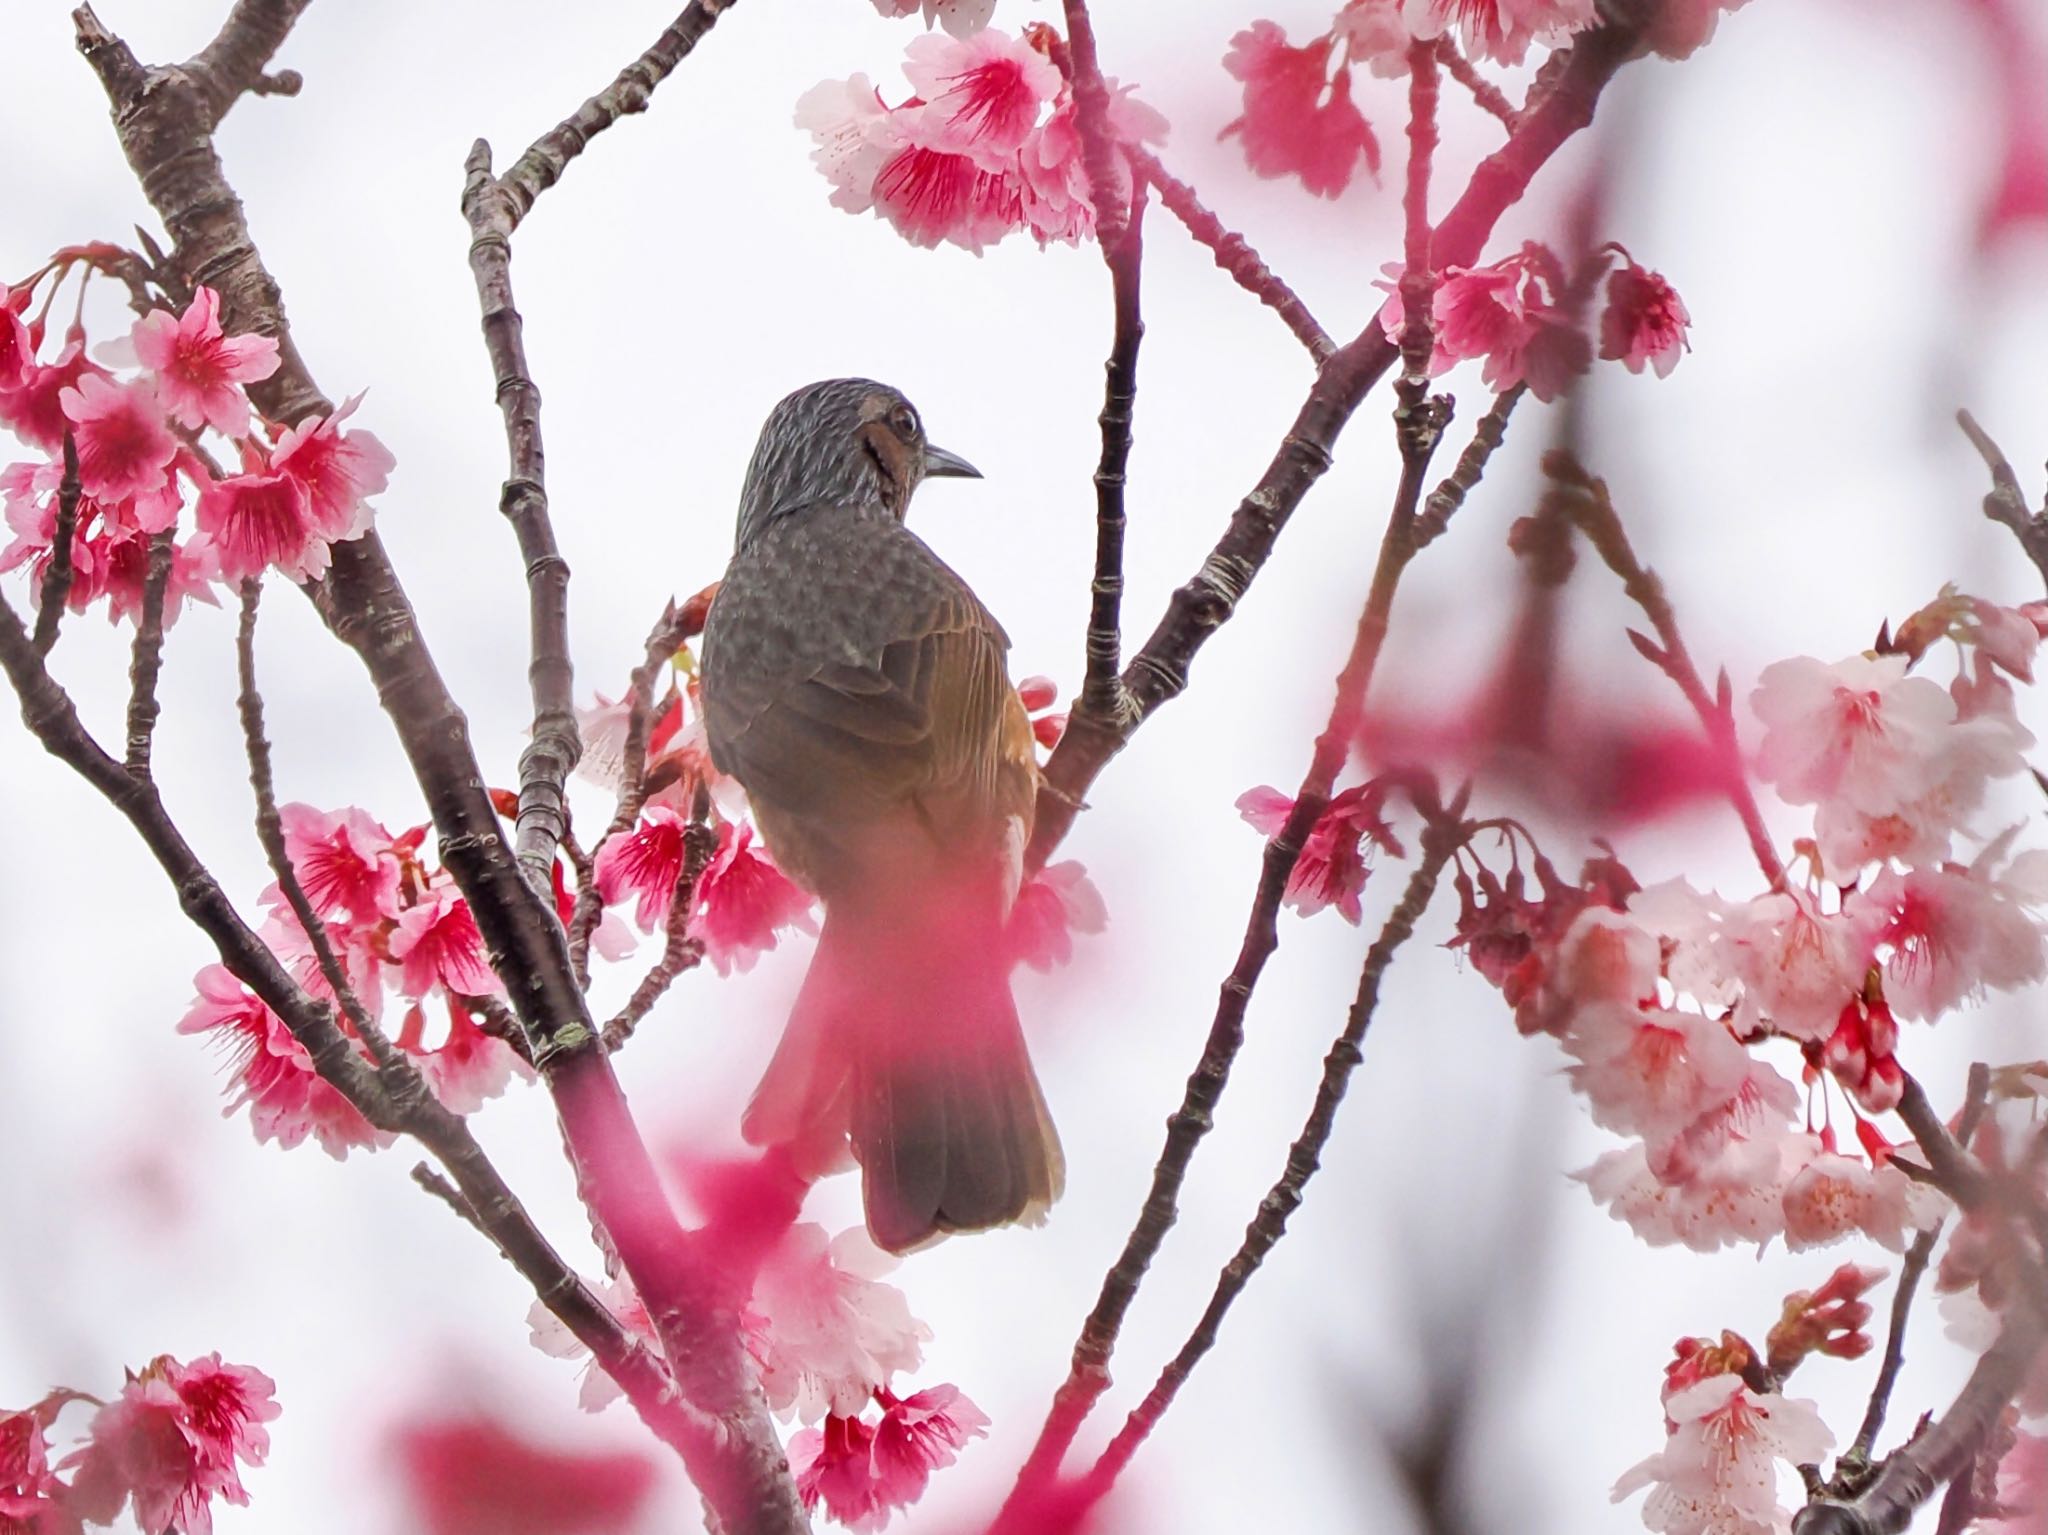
column 1298, row 119
column 1834, row 1196
column 1829, row 1320
column 198, row 366
column 1862, row 1054
column 347, row 862
column 287, row 1099
column 1500, row 30
column 1332, row 868
column 2022, row 1488
column 934, row 196
column 338, row 471
column 1644, row 322
column 824, row 1330
column 1053, row 905
column 643, row 863
column 1737, row 1196
column 743, row 902
column 1798, row 965
column 854, row 135
column 34, row 411
column 255, row 520
column 1718, row 1471
column 1944, row 935
column 1860, row 731
column 438, row 944
column 962, row 18
column 1652, row 1071
column 360, row 950
column 982, row 94
column 167, row 1446
column 925, row 1432
column 469, row 1067
column 863, row 1473
column 1376, row 33
column 2008, row 637
column 124, row 448
column 550, row 1334
column 32, row 1499
column 1059, row 202
column 17, row 352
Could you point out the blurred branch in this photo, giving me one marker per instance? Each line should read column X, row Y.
column 1489, row 96
column 57, row 577
column 2005, row 503
column 1158, row 672
column 1442, row 504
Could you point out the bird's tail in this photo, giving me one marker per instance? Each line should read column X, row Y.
column 905, row 1042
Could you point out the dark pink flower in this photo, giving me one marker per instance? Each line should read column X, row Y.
column 287, row 1099
column 124, row 448
column 643, row 863
column 255, row 520
column 198, row 367
column 982, row 94
column 1644, row 322
column 1332, row 868
column 743, row 902
column 933, row 195
column 338, row 471
column 862, row 1474
column 119, row 561
column 921, row 1434
column 167, row 1446
column 1298, row 120
column 17, row 352
column 1059, row 203
column 32, row 1500
column 438, row 944
column 1053, row 905
column 346, row 861
column 475, row 1475
column 1479, row 310
column 1500, row 29
column 469, row 1067
column 34, row 411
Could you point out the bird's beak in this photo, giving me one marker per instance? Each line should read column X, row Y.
column 939, row 464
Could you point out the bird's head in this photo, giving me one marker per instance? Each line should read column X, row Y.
column 846, row 441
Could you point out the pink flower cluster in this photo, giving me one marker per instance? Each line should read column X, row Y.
column 987, row 146
column 863, row 1471
column 300, row 490
column 166, row 1447
column 394, row 923
column 1336, row 858
column 1517, row 315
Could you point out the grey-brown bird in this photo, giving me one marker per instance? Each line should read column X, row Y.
column 859, row 691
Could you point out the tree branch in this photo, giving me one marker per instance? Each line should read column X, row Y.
column 680, row 951
column 233, row 63
column 2005, row 503
column 1489, row 96
column 1158, row 672
column 58, row 576
column 1442, row 504
column 146, row 656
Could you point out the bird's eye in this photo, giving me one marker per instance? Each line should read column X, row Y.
column 903, row 422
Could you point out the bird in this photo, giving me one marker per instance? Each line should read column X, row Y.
column 859, row 692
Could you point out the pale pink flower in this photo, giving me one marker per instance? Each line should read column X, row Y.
column 198, row 367
column 437, row 943
column 1500, row 30
column 1759, row 1108
column 982, row 94
column 1834, row 1196
column 1735, row 1197
column 854, row 135
column 1298, row 119
column 124, row 448
column 338, row 470
column 2005, row 636
column 359, row 949
column 863, row 1473
column 1860, row 732
column 1651, row 1071
column 643, row 863
column 2022, row 1488
column 287, row 1099
column 1375, row 32
column 962, row 18
column 743, row 902
column 1645, row 321
column 1059, row 202
column 550, row 1334
column 824, row 1330
column 167, row 1446
column 17, row 351
column 1797, row 964
column 1053, row 905
column 1718, row 1471
column 1332, row 868
column 346, row 862
column 1945, row 935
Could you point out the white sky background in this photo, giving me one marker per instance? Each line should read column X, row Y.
column 1807, row 182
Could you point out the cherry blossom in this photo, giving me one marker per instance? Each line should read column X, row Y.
column 824, row 1329
column 982, row 94
column 34, row 410
column 1376, row 33
column 1735, row 1197
column 32, row 1500
column 1861, row 730
column 854, row 136
column 338, row 471
column 124, row 448
column 168, row 1445
column 1829, row 1320
column 934, row 196
column 1053, row 905
column 438, row 944
column 1059, row 202
column 1718, row 1471
column 1506, row 313
column 346, row 862
column 2022, row 1488
column 743, row 902
column 1298, row 119
column 1652, row 1071
column 2007, row 637
column 1944, row 935
column 258, row 519
column 198, row 367
column 1835, row 1196
column 551, row 1335
column 643, row 864
column 1332, row 868
column 17, row 352
column 1500, row 30
column 1797, row 965
column 469, row 1067
column 286, row 1098
column 962, row 18
column 1862, row 1053
column 1645, row 321
column 863, row 1473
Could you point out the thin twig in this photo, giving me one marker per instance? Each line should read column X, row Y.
column 1442, row 837
column 1234, row 254
column 1442, row 504
column 146, row 657
column 1489, row 96
column 448, row 1194
column 680, row 951
column 2005, row 503
column 1585, row 500
column 1102, row 686
column 58, row 575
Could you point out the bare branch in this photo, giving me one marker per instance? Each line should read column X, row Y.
column 1442, row 504
column 2005, row 503
column 1489, row 96
column 57, row 578
column 680, row 951
column 233, row 63
column 147, row 654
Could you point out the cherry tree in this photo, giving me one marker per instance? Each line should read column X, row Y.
column 1753, row 1046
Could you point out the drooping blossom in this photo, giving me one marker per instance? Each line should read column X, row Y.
column 862, row 1473
column 1299, row 118
column 1718, row 1471
column 1332, row 868
column 32, row 1499
column 1376, row 33
column 259, row 519
column 823, row 1328
column 935, row 196
column 1946, row 934
column 643, row 864
column 124, row 448
column 1652, row 1071
column 34, row 409
column 473, row 1474
column 1500, row 30
column 199, row 367
column 1829, row 1320
column 360, row 950
column 743, row 902
column 437, row 943
column 852, row 135
column 1051, row 906
column 1834, row 1196
column 1798, row 965
column 1645, row 321
column 286, row 1098
column 962, row 18
column 982, row 94
column 338, row 470
column 469, row 1067
column 17, row 352
column 1508, row 313
column 109, row 544
column 1059, row 201
column 1736, row 1197
column 168, row 1445
column 346, row 862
